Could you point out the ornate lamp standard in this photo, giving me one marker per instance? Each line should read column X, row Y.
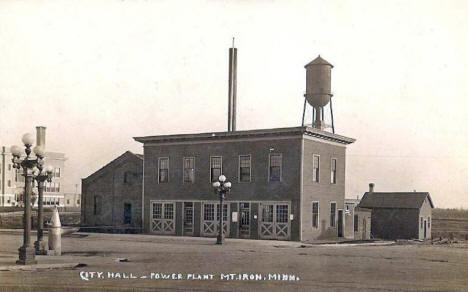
column 41, row 177
column 221, row 187
column 26, row 252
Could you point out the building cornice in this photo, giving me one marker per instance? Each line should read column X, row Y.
column 293, row 132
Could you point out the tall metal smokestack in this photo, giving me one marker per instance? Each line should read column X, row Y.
column 40, row 136
column 232, row 88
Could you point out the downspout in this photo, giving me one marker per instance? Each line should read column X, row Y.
column 3, row 168
column 143, row 195
column 113, row 187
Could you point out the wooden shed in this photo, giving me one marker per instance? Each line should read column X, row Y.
column 399, row 215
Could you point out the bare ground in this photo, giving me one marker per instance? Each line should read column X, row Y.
column 401, row 267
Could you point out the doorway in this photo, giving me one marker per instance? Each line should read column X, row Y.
column 188, row 218
column 425, row 229
column 127, row 213
column 244, row 224
column 340, row 223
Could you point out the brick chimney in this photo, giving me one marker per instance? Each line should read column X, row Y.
column 371, row 187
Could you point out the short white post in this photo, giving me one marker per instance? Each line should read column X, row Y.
column 55, row 235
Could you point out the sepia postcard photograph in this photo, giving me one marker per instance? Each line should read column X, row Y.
column 233, row 145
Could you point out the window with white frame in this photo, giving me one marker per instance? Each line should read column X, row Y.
column 163, row 172
column 208, row 212
column 216, row 167
column 57, row 172
column 316, row 168
column 333, row 171
column 315, row 214
column 189, row 169
column 276, row 163
column 244, row 168
column 332, row 214
column 422, row 222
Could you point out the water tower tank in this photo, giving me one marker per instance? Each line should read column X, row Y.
column 318, row 82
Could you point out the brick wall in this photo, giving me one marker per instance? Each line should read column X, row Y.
column 108, row 184
column 323, row 191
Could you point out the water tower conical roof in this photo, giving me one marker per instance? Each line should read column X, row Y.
column 318, row 61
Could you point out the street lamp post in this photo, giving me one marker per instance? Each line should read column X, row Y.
column 28, row 164
column 41, row 176
column 221, row 187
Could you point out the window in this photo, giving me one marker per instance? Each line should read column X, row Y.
column 333, row 171
column 97, row 205
column 57, row 187
column 169, row 211
column 57, row 172
column 356, row 223
column 422, row 222
column 189, row 169
column 77, row 202
column 208, row 212
column 332, row 214
column 281, row 213
column 315, row 214
column 157, row 210
column 276, row 161
column 163, row 170
column 9, row 166
column 216, row 163
column 316, row 168
column 428, row 222
column 68, row 201
column 244, row 168
column 267, row 213
column 225, row 212
column 9, row 183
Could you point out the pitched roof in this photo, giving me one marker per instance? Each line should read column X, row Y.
column 126, row 155
column 318, row 61
column 409, row 200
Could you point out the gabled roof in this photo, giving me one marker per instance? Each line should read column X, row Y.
column 122, row 158
column 318, row 61
column 409, row 200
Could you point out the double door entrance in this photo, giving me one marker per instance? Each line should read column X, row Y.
column 163, row 218
column 210, row 219
column 274, row 221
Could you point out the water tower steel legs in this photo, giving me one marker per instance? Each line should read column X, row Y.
column 331, row 113
column 303, row 111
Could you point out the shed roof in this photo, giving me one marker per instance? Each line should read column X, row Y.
column 404, row 200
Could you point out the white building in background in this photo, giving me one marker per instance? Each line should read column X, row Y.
column 7, row 179
column 72, row 200
column 12, row 180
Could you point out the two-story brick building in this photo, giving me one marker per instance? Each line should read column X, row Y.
column 287, row 183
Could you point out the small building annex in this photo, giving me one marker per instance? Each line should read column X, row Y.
column 399, row 215
column 111, row 197
column 357, row 221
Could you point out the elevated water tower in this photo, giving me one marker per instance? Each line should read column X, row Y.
column 318, row 92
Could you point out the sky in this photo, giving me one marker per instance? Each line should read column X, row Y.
column 97, row 73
